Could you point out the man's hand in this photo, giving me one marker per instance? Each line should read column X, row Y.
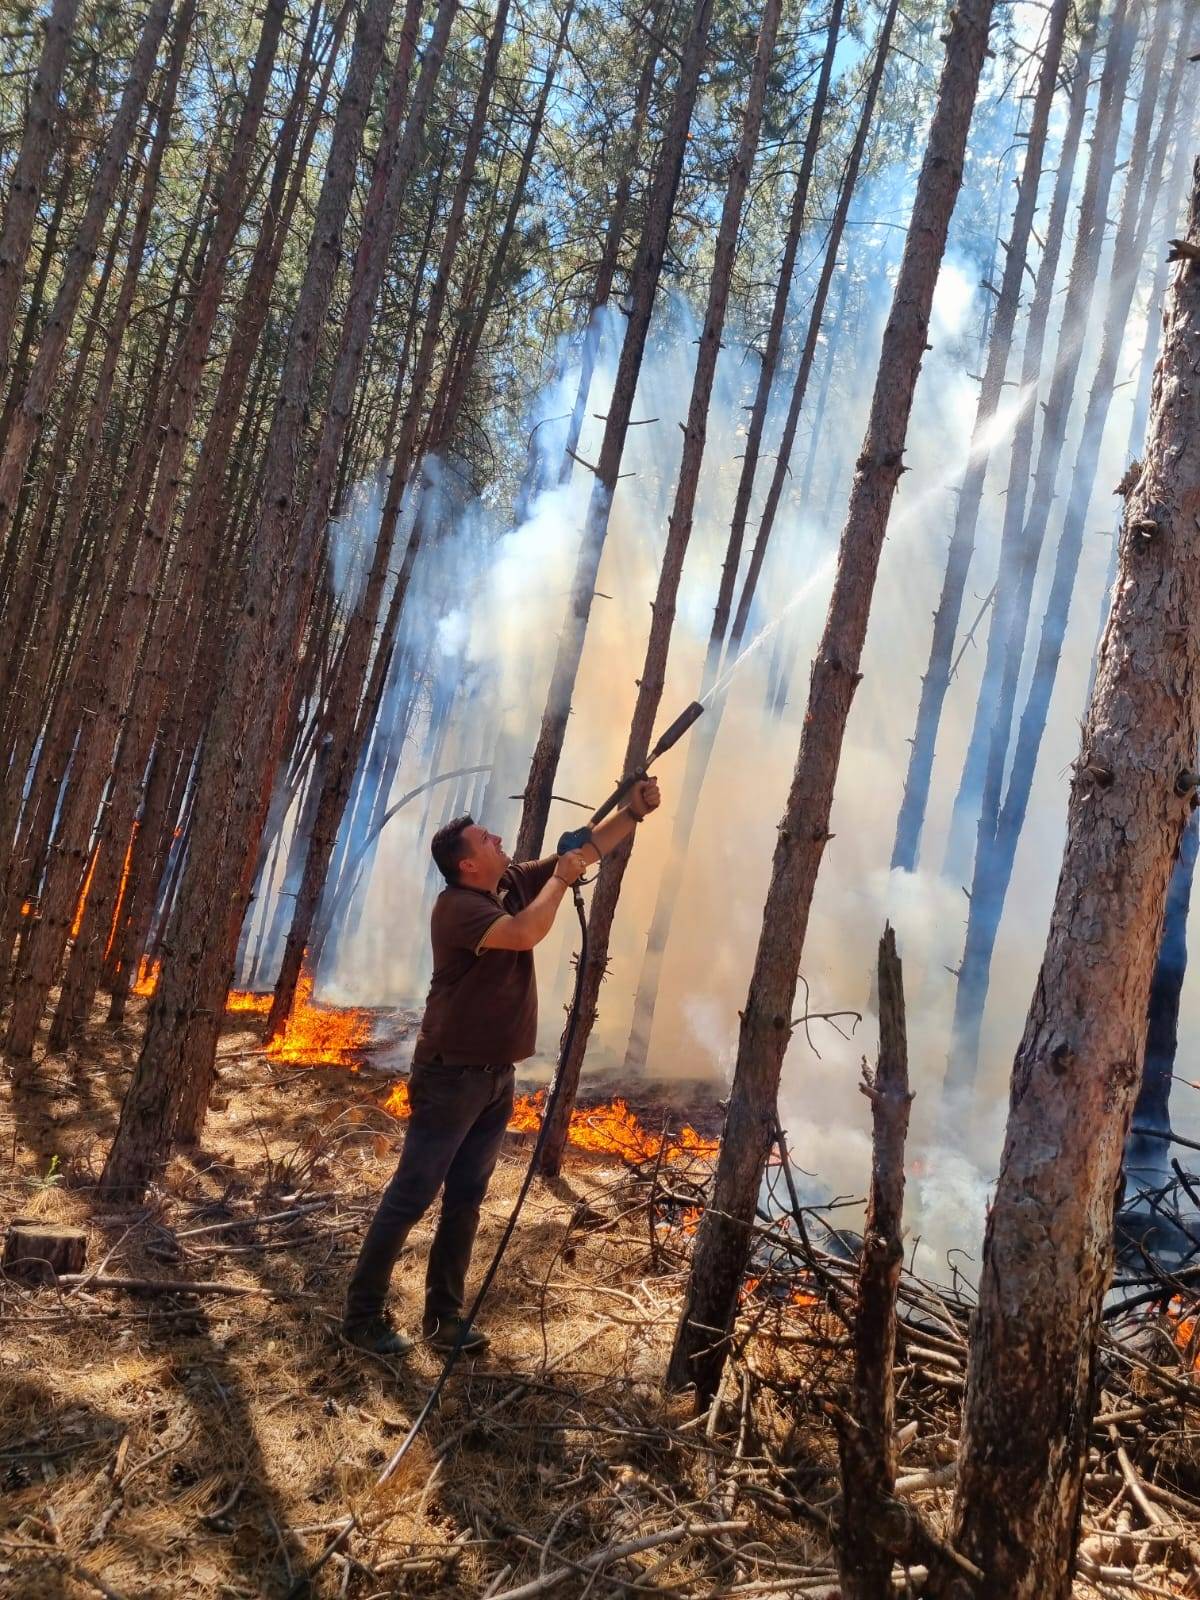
column 641, row 798
column 570, row 867
column 644, row 797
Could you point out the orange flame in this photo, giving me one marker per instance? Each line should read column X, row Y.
column 119, row 907
column 317, row 1034
column 77, row 923
column 247, row 1000
column 1184, row 1331
column 798, row 1298
column 610, row 1129
column 147, row 977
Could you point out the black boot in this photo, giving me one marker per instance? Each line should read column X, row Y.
column 379, row 1335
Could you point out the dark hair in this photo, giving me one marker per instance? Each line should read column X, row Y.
column 448, row 846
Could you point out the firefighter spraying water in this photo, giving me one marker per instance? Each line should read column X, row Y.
column 480, row 1020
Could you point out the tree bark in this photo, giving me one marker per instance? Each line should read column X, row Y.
column 722, row 1242
column 69, row 177
column 178, row 659
column 659, row 207
column 29, row 595
column 783, row 456
column 29, row 172
column 614, row 233
column 234, row 772
column 342, row 724
column 997, row 846
column 92, row 758
column 775, row 329
column 1020, row 543
column 721, row 637
column 33, row 710
column 28, row 418
column 40, row 1252
column 392, row 166
column 662, row 610
column 868, row 1443
column 1049, row 1244
column 936, row 681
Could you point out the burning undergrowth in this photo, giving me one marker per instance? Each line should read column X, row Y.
column 316, row 1034
column 610, row 1128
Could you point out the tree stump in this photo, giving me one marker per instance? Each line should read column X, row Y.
column 40, row 1252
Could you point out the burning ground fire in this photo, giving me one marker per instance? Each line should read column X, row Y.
column 315, row 1034
column 798, row 1297
column 324, row 1035
column 609, row 1129
column 318, row 1034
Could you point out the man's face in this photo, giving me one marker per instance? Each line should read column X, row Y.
column 484, row 861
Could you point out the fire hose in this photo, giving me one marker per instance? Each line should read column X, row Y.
column 573, row 840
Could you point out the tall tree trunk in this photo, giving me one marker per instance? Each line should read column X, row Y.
column 721, row 636
column 406, row 447
column 340, row 724
column 614, row 233
column 202, row 518
column 775, row 329
column 28, row 418
column 477, row 307
column 1147, row 1152
column 1049, row 1244
column 723, row 1240
column 997, row 846
column 659, row 207
column 662, row 610
column 1020, row 541
column 782, row 468
column 962, row 541
column 69, row 177
column 177, row 625
column 93, row 756
column 242, row 741
column 29, row 595
column 29, row 172
column 31, row 717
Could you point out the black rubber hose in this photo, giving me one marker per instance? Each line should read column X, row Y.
column 301, row 1584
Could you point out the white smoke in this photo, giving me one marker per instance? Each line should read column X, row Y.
column 490, row 600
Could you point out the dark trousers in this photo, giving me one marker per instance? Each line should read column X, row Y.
column 455, row 1131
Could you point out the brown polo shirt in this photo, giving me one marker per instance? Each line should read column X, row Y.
column 482, row 1004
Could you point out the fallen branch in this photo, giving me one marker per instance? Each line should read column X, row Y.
column 619, row 1552
column 179, row 1286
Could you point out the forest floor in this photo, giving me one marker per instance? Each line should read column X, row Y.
column 171, row 1444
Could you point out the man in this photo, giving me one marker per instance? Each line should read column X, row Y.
column 480, row 1019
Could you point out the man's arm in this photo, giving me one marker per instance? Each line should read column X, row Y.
column 530, row 926
column 643, row 798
